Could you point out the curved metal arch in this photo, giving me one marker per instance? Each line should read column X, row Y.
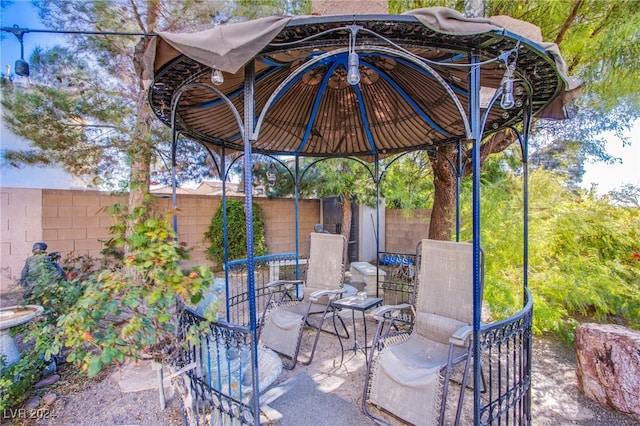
column 236, row 93
column 286, row 82
column 432, row 150
column 316, row 161
column 424, row 65
column 527, row 121
column 484, row 117
column 177, row 96
column 284, row 165
column 412, row 65
column 401, row 53
column 409, row 100
column 272, row 157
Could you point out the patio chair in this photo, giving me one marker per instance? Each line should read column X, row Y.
column 284, row 320
column 410, row 369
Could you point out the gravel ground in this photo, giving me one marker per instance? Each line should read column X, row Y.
column 556, row 400
column 99, row 402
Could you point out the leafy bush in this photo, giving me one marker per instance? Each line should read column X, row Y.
column 237, row 239
column 57, row 297
column 17, row 380
column 584, row 255
column 131, row 311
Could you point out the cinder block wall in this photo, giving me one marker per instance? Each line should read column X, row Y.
column 403, row 232
column 75, row 222
column 196, row 211
column 21, row 226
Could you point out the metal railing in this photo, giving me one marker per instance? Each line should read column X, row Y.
column 221, row 388
column 217, row 360
column 397, row 284
column 506, row 365
column 505, row 396
column 219, row 381
column 266, row 268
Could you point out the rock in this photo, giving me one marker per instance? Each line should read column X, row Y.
column 32, row 403
column 47, row 381
column 49, row 398
column 609, row 366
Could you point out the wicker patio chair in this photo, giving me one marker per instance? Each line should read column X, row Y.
column 284, row 319
column 411, row 367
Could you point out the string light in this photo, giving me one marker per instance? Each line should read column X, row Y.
column 353, row 63
column 508, row 101
column 216, row 77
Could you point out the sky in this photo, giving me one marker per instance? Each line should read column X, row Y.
column 607, row 176
column 612, row 176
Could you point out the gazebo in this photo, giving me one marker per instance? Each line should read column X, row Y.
column 364, row 87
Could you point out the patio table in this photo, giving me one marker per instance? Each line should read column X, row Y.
column 356, row 304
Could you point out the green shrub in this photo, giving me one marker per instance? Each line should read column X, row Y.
column 57, row 297
column 131, row 311
column 584, row 255
column 237, row 240
column 17, row 380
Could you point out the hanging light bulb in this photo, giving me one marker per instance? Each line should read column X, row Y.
column 353, row 73
column 353, row 62
column 216, row 77
column 507, row 101
column 21, row 67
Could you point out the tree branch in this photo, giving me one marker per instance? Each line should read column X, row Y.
column 567, row 22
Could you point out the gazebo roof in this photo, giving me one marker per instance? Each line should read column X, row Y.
column 413, row 92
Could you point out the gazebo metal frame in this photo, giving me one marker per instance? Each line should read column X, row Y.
column 319, row 51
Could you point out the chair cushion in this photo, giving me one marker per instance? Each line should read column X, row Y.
column 436, row 327
column 407, row 380
column 284, row 319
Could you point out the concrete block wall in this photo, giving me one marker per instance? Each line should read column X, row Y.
column 75, row 222
column 196, row 211
column 21, row 226
column 194, row 216
column 280, row 223
column 403, row 232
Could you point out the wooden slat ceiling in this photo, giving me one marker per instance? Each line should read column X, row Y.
column 397, row 106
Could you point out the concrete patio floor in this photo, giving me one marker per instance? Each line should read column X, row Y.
column 327, row 393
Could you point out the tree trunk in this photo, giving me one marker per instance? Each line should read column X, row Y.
column 346, row 215
column 141, row 150
column 444, row 199
column 443, row 213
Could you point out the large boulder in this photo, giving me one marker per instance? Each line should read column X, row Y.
column 609, row 365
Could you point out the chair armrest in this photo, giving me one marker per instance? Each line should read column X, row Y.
column 461, row 336
column 331, row 294
column 379, row 312
column 286, row 283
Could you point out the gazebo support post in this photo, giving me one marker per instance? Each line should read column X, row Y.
column 248, row 137
column 296, row 186
column 527, row 121
column 476, row 136
column 225, row 232
column 377, row 236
